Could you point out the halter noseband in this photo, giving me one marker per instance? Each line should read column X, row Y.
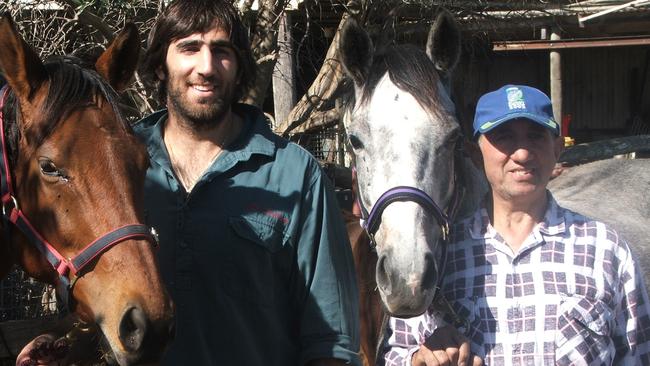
column 402, row 194
column 69, row 269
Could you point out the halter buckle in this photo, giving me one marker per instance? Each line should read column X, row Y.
column 373, row 243
column 6, row 208
column 445, row 231
column 154, row 235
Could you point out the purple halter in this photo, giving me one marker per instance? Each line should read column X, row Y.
column 372, row 221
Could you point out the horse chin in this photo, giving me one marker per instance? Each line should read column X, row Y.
column 117, row 356
column 403, row 306
column 407, row 285
column 405, row 295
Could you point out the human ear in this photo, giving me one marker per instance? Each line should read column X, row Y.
column 160, row 73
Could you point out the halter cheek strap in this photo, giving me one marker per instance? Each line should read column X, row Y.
column 68, row 269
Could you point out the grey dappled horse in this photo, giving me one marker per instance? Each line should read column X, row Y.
column 403, row 132
column 402, row 128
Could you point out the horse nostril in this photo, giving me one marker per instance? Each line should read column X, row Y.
column 133, row 328
column 383, row 277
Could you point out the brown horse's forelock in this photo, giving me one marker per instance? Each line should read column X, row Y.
column 72, row 85
column 410, row 70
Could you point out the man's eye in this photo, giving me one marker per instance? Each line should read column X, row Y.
column 189, row 49
column 536, row 136
column 223, row 51
column 501, row 136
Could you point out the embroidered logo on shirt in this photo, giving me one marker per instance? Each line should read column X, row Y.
column 277, row 215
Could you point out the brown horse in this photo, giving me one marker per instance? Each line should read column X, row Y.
column 370, row 309
column 75, row 172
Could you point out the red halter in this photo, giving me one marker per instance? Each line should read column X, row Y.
column 69, row 269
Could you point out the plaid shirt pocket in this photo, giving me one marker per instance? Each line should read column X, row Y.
column 583, row 335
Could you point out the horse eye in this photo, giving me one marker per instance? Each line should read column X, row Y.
column 48, row 167
column 355, row 142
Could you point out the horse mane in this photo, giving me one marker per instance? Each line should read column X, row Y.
column 409, row 69
column 72, row 84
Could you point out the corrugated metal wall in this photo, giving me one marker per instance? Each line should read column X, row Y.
column 601, row 86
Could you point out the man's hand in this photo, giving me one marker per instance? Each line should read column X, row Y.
column 445, row 347
column 43, row 350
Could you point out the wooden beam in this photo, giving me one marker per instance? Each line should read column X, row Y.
column 604, row 149
column 555, row 60
column 571, row 43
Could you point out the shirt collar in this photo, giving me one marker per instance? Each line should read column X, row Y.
column 256, row 136
column 554, row 222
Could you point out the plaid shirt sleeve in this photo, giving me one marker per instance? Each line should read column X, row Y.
column 405, row 335
column 632, row 326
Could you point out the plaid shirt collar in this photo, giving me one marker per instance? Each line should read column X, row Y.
column 554, row 223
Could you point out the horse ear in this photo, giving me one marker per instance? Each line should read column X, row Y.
column 22, row 67
column 443, row 43
column 356, row 51
column 118, row 63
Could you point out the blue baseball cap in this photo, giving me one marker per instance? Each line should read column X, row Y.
column 510, row 102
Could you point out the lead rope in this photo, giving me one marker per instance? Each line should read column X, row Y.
column 458, row 321
column 380, row 337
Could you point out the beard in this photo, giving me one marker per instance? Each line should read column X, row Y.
column 203, row 112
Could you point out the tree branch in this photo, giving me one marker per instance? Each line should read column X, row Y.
column 264, row 43
column 89, row 18
column 323, row 88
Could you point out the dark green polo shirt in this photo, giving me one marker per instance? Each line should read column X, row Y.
column 256, row 257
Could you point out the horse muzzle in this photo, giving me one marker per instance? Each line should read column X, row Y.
column 406, row 292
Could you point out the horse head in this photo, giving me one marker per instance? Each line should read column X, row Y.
column 402, row 128
column 77, row 172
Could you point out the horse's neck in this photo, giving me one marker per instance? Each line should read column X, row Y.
column 475, row 188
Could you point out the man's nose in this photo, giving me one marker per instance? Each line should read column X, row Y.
column 206, row 61
column 522, row 153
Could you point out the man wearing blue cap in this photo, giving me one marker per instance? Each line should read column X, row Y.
column 534, row 283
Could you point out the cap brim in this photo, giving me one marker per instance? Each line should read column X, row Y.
column 545, row 122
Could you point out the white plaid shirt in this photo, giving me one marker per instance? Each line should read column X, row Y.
column 573, row 295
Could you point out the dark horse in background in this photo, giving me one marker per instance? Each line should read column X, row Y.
column 75, row 173
column 402, row 127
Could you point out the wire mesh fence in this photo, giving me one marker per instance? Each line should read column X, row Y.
column 327, row 146
column 22, row 297
column 330, row 149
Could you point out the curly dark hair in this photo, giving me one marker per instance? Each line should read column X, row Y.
column 182, row 18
